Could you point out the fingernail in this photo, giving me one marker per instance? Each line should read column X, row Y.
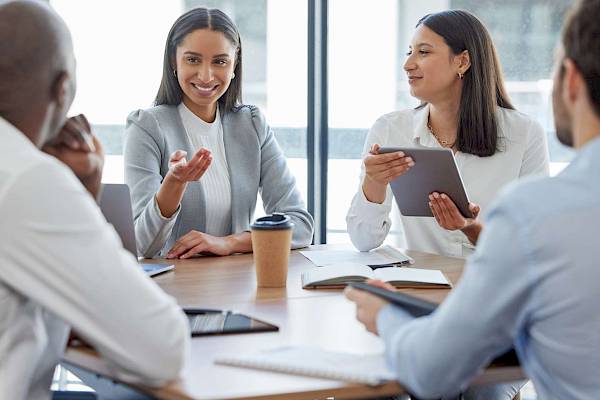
column 436, row 195
column 411, row 164
column 400, row 154
column 443, row 196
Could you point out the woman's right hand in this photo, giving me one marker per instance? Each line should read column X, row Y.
column 381, row 169
column 180, row 173
column 384, row 168
column 185, row 171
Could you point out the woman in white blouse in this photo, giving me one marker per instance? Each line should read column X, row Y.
column 452, row 67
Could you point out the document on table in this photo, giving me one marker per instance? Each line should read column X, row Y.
column 384, row 256
column 369, row 369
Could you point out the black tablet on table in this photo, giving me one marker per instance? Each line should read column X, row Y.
column 221, row 322
column 435, row 170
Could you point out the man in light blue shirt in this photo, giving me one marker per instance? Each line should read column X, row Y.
column 534, row 280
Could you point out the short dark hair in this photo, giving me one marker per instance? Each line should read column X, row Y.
column 169, row 91
column 483, row 87
column 581, row 43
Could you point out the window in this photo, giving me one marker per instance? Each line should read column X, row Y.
column 120, row 53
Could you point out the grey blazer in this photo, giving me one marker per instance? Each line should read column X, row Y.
column 255, row 161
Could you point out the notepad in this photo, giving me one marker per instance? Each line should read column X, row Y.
column 384, row 256
column 367, row 369
column 335, row 276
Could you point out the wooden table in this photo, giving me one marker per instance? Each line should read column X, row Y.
column 319, row 318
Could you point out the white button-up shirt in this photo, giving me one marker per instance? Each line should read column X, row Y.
column 64, row 266
column 523, row 151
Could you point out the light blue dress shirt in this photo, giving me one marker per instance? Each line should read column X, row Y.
column 533, row 283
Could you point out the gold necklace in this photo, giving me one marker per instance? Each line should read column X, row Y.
column 443, row 142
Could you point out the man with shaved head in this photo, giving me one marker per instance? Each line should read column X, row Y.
column 63, row 265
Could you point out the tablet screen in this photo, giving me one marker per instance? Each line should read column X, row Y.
column 435, row 170
column 216, row 322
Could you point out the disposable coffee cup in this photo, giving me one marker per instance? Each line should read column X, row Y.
column 271, row 240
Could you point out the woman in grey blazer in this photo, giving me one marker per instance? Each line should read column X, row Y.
column 205, row 204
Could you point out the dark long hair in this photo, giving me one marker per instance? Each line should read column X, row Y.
column 483, row 86
column 169, row 91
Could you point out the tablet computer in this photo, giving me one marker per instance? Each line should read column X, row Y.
column 435, row 170
column 413, row 305
column 221, row 322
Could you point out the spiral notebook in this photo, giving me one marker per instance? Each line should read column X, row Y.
column 367, row 369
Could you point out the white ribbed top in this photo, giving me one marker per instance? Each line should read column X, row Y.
column 215, row 181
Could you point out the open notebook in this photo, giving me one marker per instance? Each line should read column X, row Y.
column 368, row 369
column 336, row 276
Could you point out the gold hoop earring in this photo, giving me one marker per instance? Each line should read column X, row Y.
column 233, row 75
column 175, row 73
column 461, row 76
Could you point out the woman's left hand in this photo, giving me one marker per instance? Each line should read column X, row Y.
column 195, row 242
column 447, row 215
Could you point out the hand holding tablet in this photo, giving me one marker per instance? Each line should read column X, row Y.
column 434, row 171
column 383, row 167
column 447, row 214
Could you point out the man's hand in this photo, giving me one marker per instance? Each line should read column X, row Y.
column 195, row 242
column 367, row 304
column 81, row 151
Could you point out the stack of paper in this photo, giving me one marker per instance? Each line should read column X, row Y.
column 384, row 256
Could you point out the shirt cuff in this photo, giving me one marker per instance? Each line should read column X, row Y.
column 367, row 209
column 162, row 217
column 390, row 319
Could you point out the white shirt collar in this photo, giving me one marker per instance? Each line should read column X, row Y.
column 421, row 134
column 189, row 115
column 15, row 136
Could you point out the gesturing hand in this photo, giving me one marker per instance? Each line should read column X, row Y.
column 447, row 215
column 195, row 242
column 383, row 168
column 188, row 171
